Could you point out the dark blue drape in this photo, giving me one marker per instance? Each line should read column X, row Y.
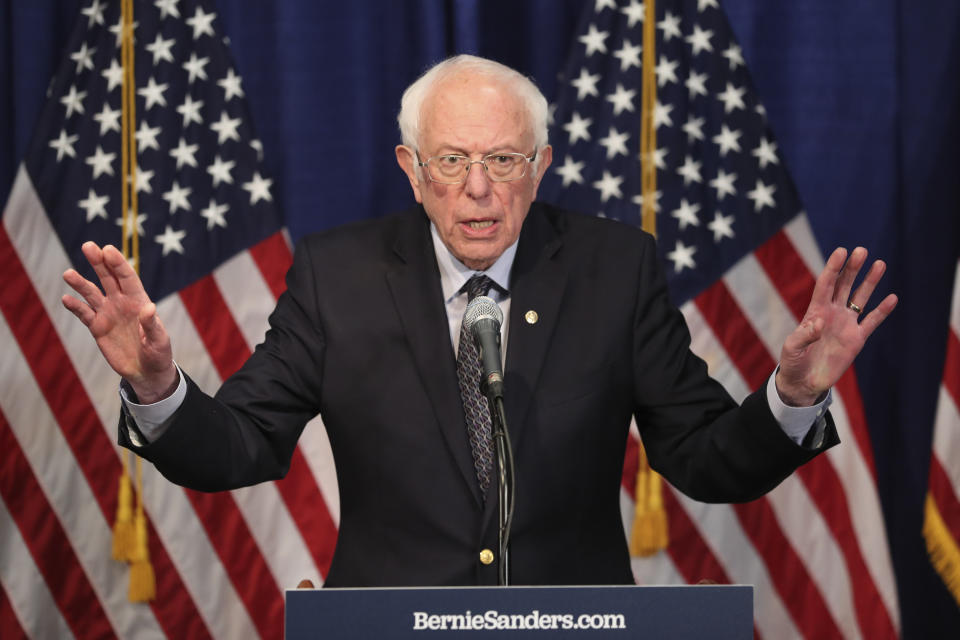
column 863, row 96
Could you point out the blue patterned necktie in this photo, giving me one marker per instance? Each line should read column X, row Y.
column 475, row 405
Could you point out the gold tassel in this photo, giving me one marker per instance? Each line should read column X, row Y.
column 124, row 535
column 649, row 533
column 943, row 550
column 143, row 587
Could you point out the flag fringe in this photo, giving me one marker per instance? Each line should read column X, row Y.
column 942, row 547
column 650, row 533
column 124, row 533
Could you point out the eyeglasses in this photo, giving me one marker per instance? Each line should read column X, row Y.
column 452, row 168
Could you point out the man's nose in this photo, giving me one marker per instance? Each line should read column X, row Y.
column 477, row 184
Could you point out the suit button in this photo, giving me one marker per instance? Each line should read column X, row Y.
column 486, row 556
column 531, row 317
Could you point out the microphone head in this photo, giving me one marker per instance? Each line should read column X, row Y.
column 482, row 307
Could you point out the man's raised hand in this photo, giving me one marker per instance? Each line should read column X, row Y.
column 124, row 322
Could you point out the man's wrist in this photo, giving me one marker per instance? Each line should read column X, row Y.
column 148, row 394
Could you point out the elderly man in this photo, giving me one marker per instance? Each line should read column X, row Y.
column 368, row 335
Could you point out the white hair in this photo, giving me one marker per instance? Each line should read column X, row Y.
column 411, row 104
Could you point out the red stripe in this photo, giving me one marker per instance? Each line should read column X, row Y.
column 794, row 282
column 48, row 542
column 9, row 623
column 824, row 486
column 217, row 328
column 951, row 368
column 688, row 550
column 819, row 476
column 273, row 258
column 299, row 488
column 787, row 572
column 309, row 511
column 221, row 518
column 71, row 407
column 942, row 492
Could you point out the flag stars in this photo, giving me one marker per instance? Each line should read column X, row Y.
column 578, row 128
column 137, row 222
column 666, row 71
column 628, row 54
column 73, row 101
column 226, row 128
column 732, row 98
column 766, row 153
column 143, row 179
column 690, row 171
column 586, row 84
column 571, row 171
column 147, row 137
column 657, row 156
column 622, row 99
column 600, row 5
column 721, row 226
column 682, row 257
column 686, row 214
column 153, row 94
column 190, row 110
column 638, row 200
column 699, row 40
column 167, row 8
column 94, row 205
column 723, row 183
column 94, row 12
column 609, row 186
column 259, row 188
column 185, row 153
column 170, row 240
column 762, row 196
column 83, row 57
column 195, row 67
column 693, row 127
column 594, row 40
column 615, row 143
column 661, row 115
column 113, row 75
column 202, row 23
column 670, row 25
column 634, row 13
column 177, row 196
column 727, row 140
column 118, row 30
column 734, row 54
column 220, row 171
column 214, row 214
column 231, row 86
column 696, row 84
column 160, row 49
column 108, row 118
column 64, row 145
column 704, row 4
column 101, row 162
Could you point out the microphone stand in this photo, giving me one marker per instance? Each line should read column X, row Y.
column 506, row 489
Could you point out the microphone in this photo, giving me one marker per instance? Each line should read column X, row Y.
column 482, row 319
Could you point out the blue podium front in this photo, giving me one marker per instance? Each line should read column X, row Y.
column 719, row 612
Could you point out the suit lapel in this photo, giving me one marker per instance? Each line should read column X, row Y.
column 414, row 282
column 537, row 284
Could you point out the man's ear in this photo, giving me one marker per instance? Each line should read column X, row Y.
column 407, row 161
column 544, row 158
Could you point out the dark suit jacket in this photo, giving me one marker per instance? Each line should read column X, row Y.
column 361, row 336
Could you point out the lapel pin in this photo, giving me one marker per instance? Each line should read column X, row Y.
column 531, row 317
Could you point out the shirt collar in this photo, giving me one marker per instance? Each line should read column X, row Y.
column 454, row 274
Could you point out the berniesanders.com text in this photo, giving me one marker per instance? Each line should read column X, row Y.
column 492, row 620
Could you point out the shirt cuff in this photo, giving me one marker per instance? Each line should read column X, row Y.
column 152, row 420
column 804, row 425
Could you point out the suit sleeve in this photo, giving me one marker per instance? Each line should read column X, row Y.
column 248, row 431
column 695, row 434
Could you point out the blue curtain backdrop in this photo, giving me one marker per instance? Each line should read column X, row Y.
column 864, row 97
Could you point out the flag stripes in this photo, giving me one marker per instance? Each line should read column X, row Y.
column 48, row 542
column 818, row 559
column 221, row 560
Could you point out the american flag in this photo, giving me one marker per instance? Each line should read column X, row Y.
column 213, row 256
column 941, row 526
column 741, row 262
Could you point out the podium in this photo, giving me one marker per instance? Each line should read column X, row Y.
column 719, row 612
